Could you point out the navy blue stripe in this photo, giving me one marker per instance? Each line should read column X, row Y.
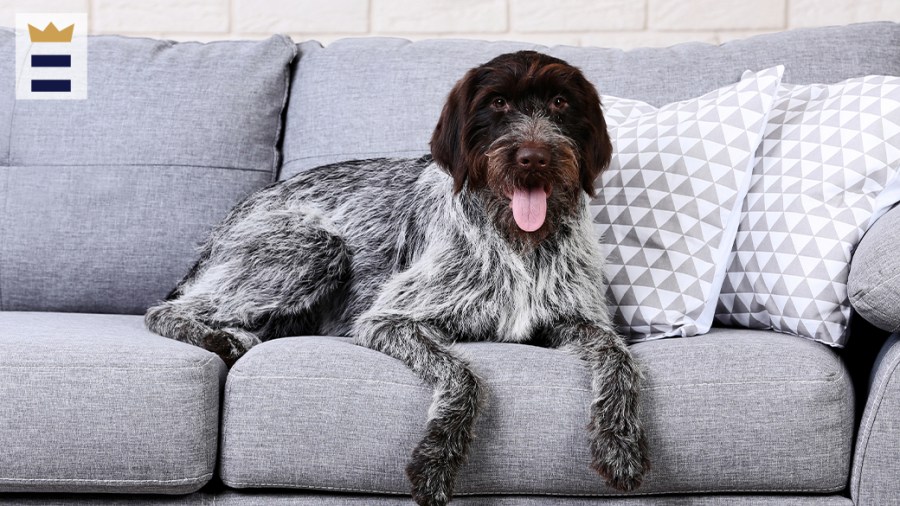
column 51, row 85
column 51, row 60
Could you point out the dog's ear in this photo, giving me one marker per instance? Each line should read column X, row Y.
column 597, row 144
column 448, row 141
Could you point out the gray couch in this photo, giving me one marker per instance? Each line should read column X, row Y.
column 103, row 202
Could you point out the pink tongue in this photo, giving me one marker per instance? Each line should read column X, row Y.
column 529, row 208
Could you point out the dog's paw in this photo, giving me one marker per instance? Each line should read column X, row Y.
column 225, row 345
column 621, row 459
column 430, row 475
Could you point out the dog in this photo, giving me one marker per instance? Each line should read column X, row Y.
column 488, row 239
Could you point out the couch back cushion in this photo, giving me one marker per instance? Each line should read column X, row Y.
column 103, row 201
column 364, row 98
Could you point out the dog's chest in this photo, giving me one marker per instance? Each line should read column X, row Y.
column 469, row 280
column 519, row 296
column 524, row 305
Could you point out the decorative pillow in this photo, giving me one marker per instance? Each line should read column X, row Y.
column 825, row 171
column 668, row 206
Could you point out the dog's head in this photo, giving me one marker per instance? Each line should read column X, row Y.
column 528, row 128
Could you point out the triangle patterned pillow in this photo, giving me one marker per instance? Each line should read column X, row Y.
column 828, row 167
column 668, row 206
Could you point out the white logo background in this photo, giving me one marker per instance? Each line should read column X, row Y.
column 77, row 49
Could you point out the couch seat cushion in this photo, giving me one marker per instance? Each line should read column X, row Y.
column 731, row 411
column 96, row 403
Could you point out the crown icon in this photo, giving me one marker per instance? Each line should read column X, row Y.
column 51, row 33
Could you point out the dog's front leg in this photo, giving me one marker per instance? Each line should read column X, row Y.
column 618, row 443
column 438, row 457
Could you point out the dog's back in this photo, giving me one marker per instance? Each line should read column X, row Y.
column 374, row 206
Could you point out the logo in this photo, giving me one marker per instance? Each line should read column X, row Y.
column 51, row 34
column 51, row 62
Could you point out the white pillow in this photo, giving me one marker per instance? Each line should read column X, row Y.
column 668, row 206
column 825, row 171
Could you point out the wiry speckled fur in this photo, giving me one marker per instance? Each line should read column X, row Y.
column 386, row 251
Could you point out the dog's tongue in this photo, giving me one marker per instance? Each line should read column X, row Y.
column 529, row 207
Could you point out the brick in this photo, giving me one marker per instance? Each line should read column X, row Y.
column 301, row 16
column 577, row 15
column 147, row 16
column 841, row 12
column 438, row 16
column 632, row 40
column 716, row 14
column 9, row 8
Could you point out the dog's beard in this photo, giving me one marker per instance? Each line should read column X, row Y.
column 551, row 195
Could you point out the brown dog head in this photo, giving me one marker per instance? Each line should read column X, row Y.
column 528, row 128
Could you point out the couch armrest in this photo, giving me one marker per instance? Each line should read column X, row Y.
column 874, row 281
column 876, row 463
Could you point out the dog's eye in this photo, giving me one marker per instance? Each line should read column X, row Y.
column 560, row 102
column 499, row 103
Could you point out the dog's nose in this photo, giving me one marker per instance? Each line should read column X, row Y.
column 533, row 157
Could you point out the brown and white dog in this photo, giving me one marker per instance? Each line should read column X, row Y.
column 490, row 240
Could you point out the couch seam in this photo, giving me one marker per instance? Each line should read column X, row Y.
column 39, row 366
column 5, row 214
column 204, row 415
column 326, row 378
column 516, row 385
column 12, row 116
column 180, row 165
column 223, row 431
column 232, row 483
column 881, row 392
column 350, row 157
column 281, row 119
column 184, row 481
column 738, row 383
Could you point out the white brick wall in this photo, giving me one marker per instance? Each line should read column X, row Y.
column 614, row 23
column 273, row 16
column 567, row 16
column 438, row 16
column 716, row 14
column 115, row 16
